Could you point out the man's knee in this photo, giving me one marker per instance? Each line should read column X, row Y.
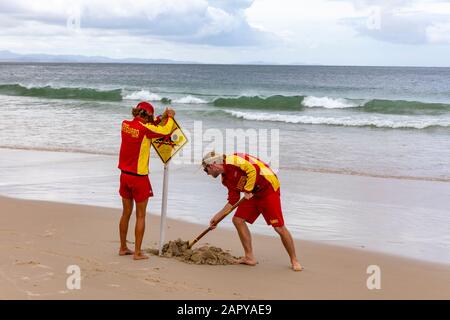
column 140, row 214
column 126, row 212
column 238, row 221
column 280, row 230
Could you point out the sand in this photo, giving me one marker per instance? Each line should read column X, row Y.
column 41, row 240
column 180, row 250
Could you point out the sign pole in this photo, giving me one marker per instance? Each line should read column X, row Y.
column 166, row 147
column 162, row 228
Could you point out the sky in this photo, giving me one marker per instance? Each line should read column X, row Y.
column 327, row 32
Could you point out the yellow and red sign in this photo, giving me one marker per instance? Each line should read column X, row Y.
column 166, row 147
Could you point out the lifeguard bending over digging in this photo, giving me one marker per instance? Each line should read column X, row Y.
column 244, row 173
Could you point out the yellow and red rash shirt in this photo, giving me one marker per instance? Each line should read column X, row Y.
column 136, row 141
column 245, row 173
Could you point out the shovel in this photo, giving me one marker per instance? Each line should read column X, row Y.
column 191, row 243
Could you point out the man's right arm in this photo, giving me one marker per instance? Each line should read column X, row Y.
column 218, row 215
column 233, row 197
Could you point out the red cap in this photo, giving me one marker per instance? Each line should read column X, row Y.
column 146, row 106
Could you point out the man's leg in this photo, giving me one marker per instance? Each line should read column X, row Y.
column 141, row 208
column 127, row 205
column 288, row 243
column 246, row 240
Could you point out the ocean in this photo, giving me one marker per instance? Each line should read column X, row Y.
column 379, row 122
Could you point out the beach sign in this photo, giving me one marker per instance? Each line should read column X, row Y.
column 166, row 147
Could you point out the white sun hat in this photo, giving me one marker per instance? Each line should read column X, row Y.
column 212, row 157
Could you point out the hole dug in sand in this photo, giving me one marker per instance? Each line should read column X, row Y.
column 204, row 255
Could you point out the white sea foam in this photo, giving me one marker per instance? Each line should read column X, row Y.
column 143, row 95
column 399, row 122
column 329, row 103
column 190, row 100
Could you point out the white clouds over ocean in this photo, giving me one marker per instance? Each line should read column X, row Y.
column 233, row 31
column 196, row 21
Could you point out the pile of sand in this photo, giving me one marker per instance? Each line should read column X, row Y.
column 204, row 255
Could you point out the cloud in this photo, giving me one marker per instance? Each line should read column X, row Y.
column 213, row 22
column 401, row 21
column 393, row 27
column 439, row 33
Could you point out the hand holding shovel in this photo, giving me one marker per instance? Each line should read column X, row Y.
column 191, row 243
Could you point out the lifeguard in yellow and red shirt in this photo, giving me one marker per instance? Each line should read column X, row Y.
column 133, row 162
column 245, row 173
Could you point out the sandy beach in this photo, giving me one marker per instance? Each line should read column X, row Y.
column 41, row 239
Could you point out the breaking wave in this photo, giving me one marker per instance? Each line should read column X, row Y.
column 343, row 121
column 328, row 103
column 297, row 103
column 143, row 95
column 190, row 100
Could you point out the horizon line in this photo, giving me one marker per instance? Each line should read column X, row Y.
column 175, row 62
column 165, row 61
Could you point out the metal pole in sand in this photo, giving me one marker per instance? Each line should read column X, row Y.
column 162, row 229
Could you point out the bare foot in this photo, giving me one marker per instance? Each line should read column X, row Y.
column 296, row 266
column 247, row 261
column 140, row 256
column 125, row 252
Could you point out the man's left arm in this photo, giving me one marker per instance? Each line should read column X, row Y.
column 157, row 131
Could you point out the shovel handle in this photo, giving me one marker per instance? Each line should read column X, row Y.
column 191, row 243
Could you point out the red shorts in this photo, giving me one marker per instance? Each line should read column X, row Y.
column 269, row 206
column 135, row 187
